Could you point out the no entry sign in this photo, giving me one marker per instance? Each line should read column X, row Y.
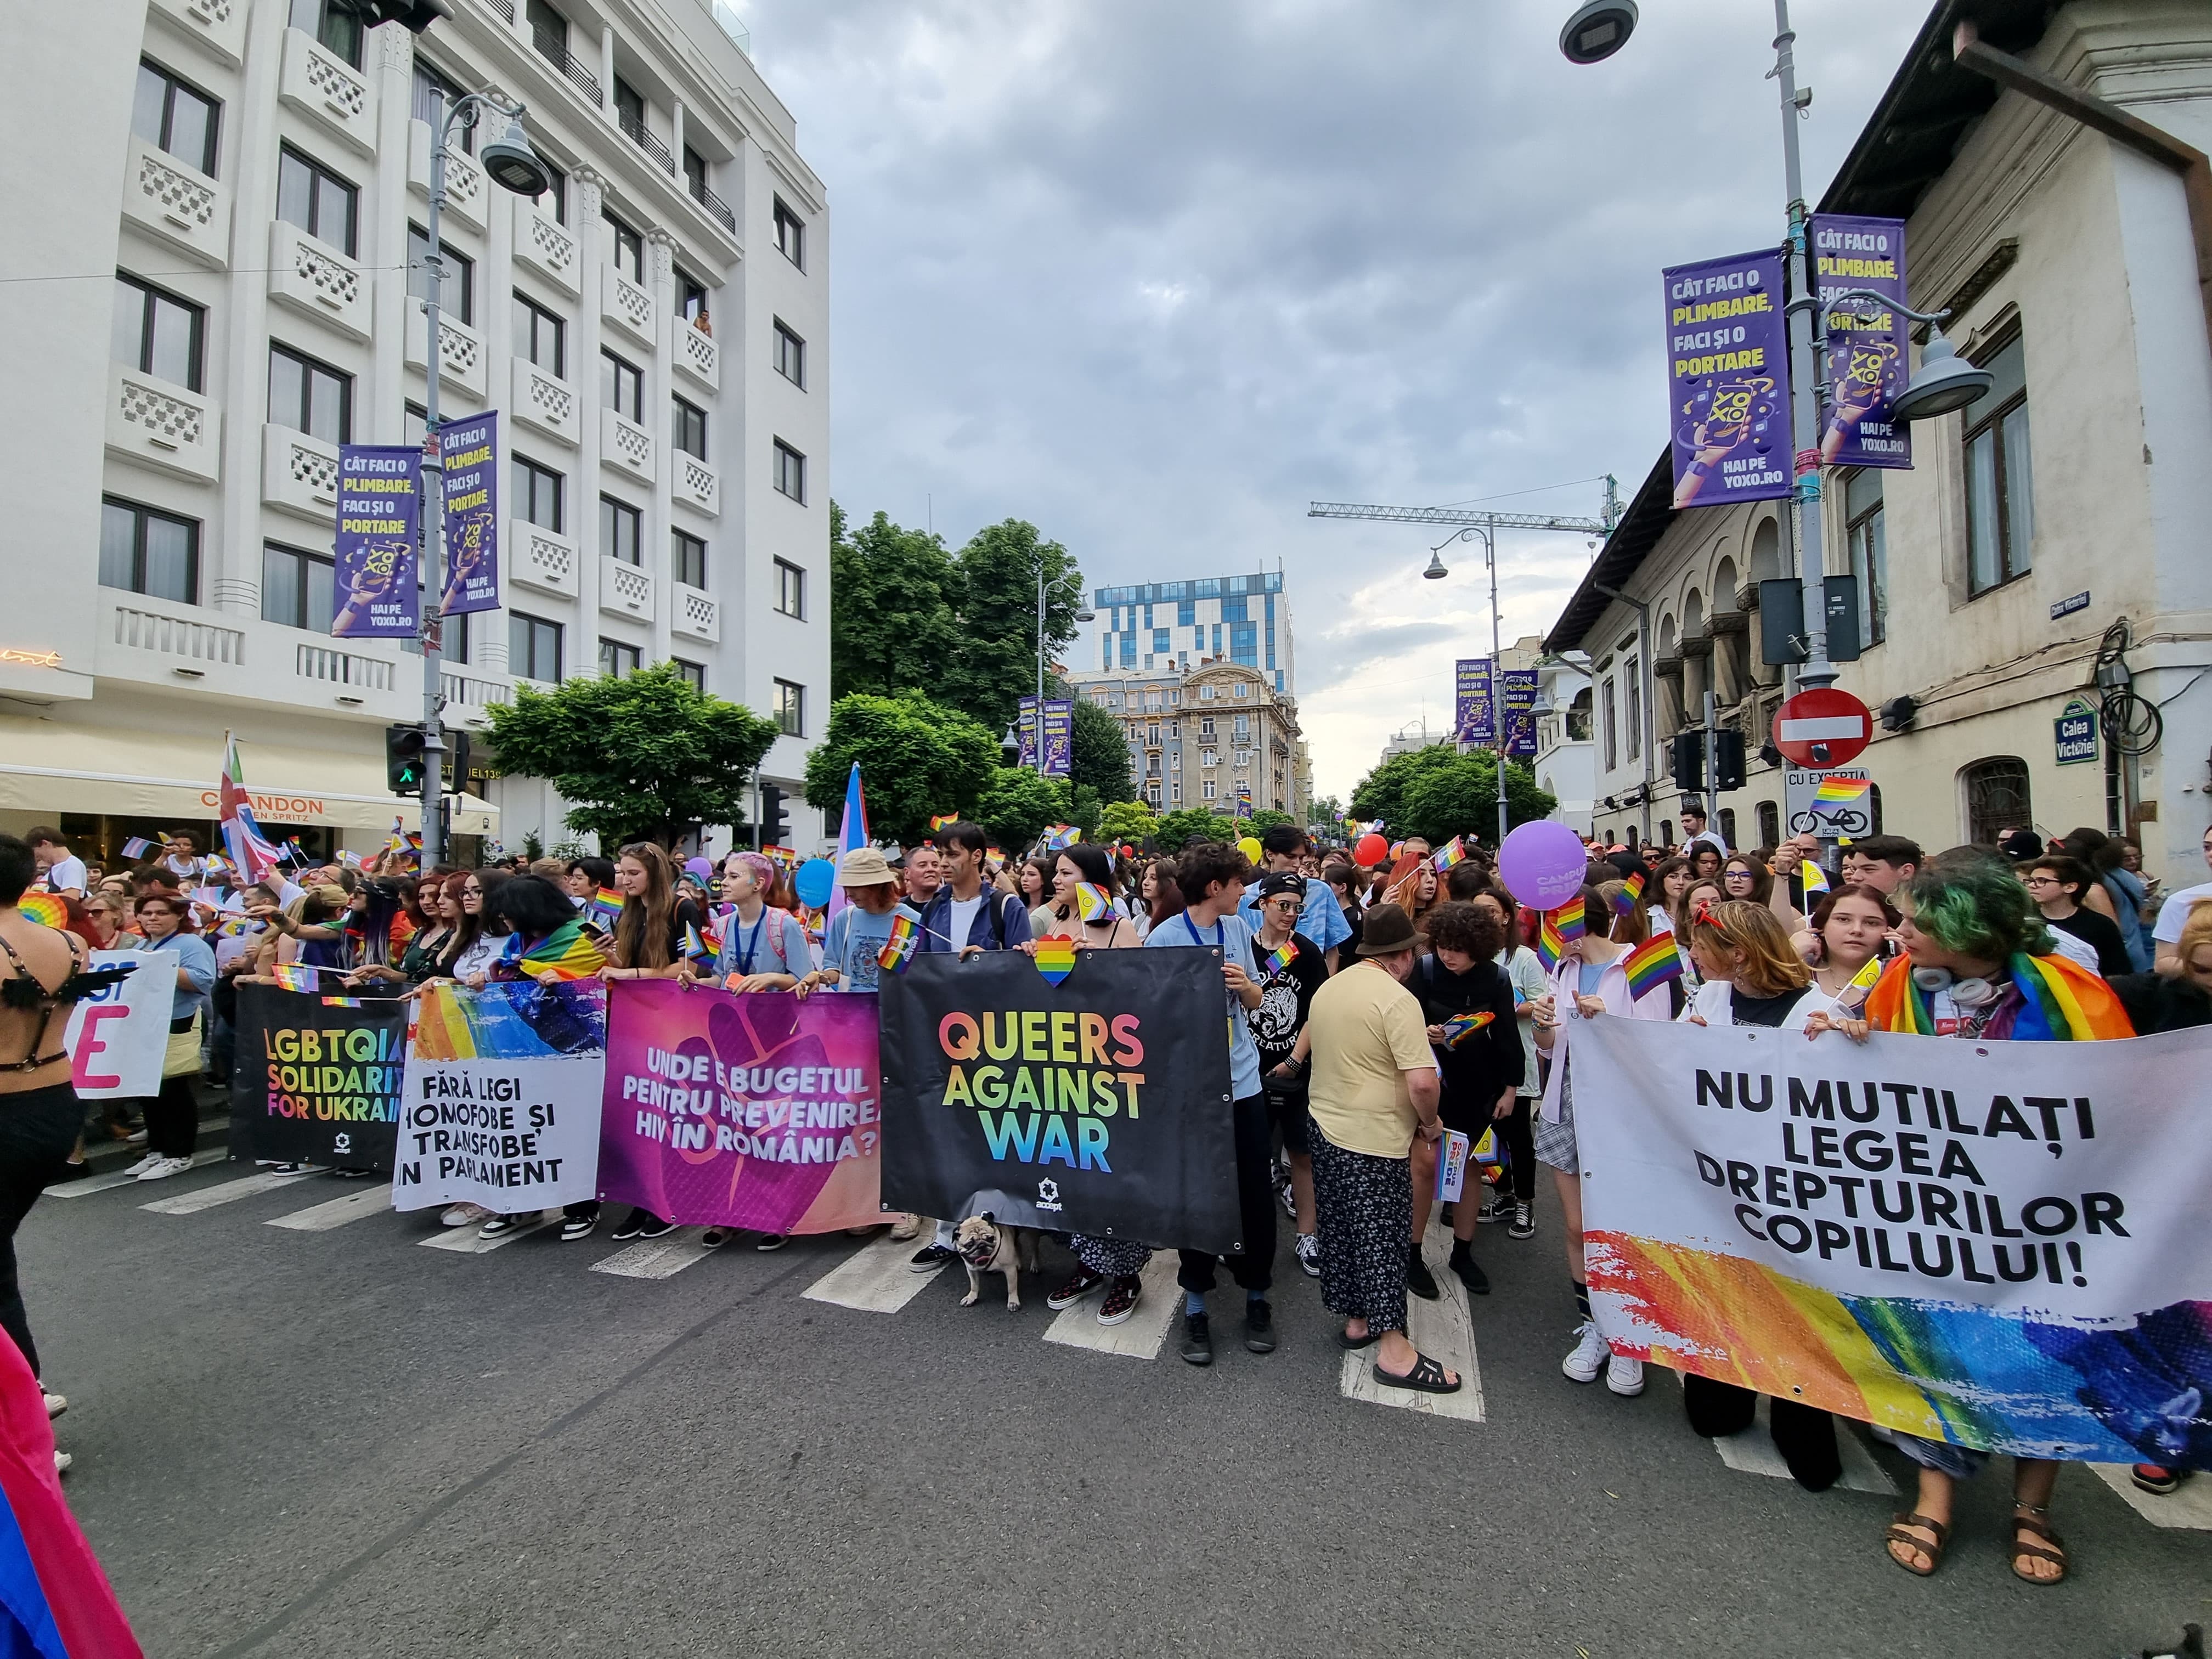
column 1822, row 727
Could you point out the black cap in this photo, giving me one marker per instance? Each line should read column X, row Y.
column 1282, row 881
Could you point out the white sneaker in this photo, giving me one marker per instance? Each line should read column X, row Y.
column 62, row 1462
column 1590, row 1355
column 56, row 1405
column 162, row 1167
column 143, row 1165
column 463, row 1215
column 1624, row 1375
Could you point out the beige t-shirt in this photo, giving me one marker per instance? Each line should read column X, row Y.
column 1366, row 1034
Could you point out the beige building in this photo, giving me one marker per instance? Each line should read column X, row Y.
column 2049, row 538
column 1208, row 739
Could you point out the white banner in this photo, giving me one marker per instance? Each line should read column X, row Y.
column 117, row 1036
column 1996, row 1244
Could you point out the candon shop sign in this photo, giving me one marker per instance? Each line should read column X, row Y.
column 285, row 808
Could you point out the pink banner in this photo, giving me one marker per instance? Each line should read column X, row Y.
column 759, row 1111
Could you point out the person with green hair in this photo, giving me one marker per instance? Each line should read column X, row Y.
column 1979, row 962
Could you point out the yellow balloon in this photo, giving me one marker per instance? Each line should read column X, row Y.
column 1249, row 847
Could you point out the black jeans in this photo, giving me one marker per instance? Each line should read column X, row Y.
column 173, row 1118
column 1254, row 1267
column 38, row 1130
column 1518, row 1133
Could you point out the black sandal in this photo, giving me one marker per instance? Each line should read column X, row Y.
column 1427, row 1376
column 2028, row 1518
column 1897, row 1535
column 1353, row 1343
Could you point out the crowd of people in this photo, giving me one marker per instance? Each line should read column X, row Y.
column 1369, row 1011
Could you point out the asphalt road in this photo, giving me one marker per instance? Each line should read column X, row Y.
column 336, row 1442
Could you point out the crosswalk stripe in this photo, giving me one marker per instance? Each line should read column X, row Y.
column 336, row 1211
column 658, row 1258
column 107, row 1182
column 463, row 1241
column 2191, row 1507
column 1753, row 1452
column 877, row 1277
column 225, row 1191
column 1443, row 1329
column 1138, row 1337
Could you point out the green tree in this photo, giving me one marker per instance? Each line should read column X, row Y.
column 1180, row 830
column 892, row 620
column 1460, row 797
column 917, row 759
column 1267, row 818
column 995, row 665
column 1382, row 792
column 1327, row 813
column 644, row 757
column 1017, row 806
column 1099, row 754
column 1130, row 820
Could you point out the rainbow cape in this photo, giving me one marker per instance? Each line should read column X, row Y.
column 565, row 952
column 1055, row 958
column 1652, row 964
column 898, row 949
column 47, row 908
column 2059, row 1002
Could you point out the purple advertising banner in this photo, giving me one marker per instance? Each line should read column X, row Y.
column 470, row 449
column 1474, row 718
column 1059, row 736
column 380, row 505
column 1867, row 362
column 1517, row 694
column 1728, row 354
column 1027, row 727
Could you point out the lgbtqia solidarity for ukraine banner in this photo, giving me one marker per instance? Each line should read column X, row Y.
column 1996, row 1244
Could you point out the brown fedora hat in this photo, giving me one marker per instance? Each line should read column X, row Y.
column 1387, row 931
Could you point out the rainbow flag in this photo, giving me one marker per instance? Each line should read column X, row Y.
column 694, row 945
column 1560, row 928
column 939, row 820
column 898, row 949
column 1092, row 901
column 1283, row 956
column 605, row 908
column 1836, row 792
column 1061, row 837
column 345, row 1002
column 1453, row 854
column 46, row 907
column 1460, row 1027
column 1055, row 958
column 215, row 864
column 567, row 954
column 137, row 847
column 1652, row 964
column 294, row 975
column 714, row 933
column 1815, row 878
column 1630, row 890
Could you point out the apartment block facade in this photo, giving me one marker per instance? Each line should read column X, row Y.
column 1213, row 739
column 1156, row 626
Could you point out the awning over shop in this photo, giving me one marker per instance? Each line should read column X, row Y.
column 48, row 767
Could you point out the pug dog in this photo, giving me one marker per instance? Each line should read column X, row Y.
column 985, row 1246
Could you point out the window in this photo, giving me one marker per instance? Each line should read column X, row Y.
column 629, row 106
column 790, row 234
column 621, row 529
column 457, row 293
column 453, row 639
column 414, row 425
column 1863, row 536
column 1728, row 826
column 333, row 22
column 688, row 559
column 688, row 429
column 435, row 94
column 1242, row 690
column 533, row 647
column 548, row 26
column 1633, row 682
column 149, row 552
column 2000, row 481
column 1666, row 832
column 694, row 674
column 312, row 197
column 1996, row 798
column 1206, row 726
column 790, row 472
column 175, row 119
column 694, row 173
column 791, row 361
column 295, row 588
column 621, row 387
column 543, row 337
column 538, row 494
column 553, row 200
column 790, row 589
column 157, row 334
column 1160, row 641
column 1578, row 717
column 690, row 295
column 1209, row 757
column 1612, row 735
column 617, row 660
column 1205, row 791
column 1243, row 725
column 791, row 708
column 1243, row 757
column 628, row 249
column 310, row 397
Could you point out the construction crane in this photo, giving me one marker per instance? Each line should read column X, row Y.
column 1466, row 522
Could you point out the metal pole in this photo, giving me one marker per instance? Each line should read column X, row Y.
column 1712, row 791
column 1037, row 735
column 1804, row 375
column 433, row 525
column 1497, row 672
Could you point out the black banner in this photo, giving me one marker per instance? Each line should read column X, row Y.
column 1098, row 1105
column 316, row 1079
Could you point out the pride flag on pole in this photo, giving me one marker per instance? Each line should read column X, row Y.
column 852, row 837
column 250, row 850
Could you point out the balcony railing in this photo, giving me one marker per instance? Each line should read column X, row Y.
column 554, row 49
column 642, row 136
column 716, row 207
column 504, row 8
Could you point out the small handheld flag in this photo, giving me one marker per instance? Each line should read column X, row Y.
column 1092, row 901
column 137, row 847
column 1061, row 837
column 694, row 945
column 294, row 975
column 1460, row 1027
column 1837, row 790
column 1283, row 956
column 1652, row 964
column 939, row 820
column 46, row 907
column 898, row 949
column 1453, row 853
column 1451, row 1166
column 606, row 907
column 1055, row 958
column 1630, row 890
column 1560, row 928
column 1815, row 878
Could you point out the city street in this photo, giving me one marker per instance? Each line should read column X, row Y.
column 298, row 1431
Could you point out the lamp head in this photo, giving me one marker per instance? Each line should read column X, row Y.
column 512, row 164
column 1085, row 614
column 1597, row 30
column 1009, row 745
column 1436, row 572
column 1945, row 381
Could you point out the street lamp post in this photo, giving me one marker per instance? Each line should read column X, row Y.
column 1436, row 572
column 512, row 165
column 1084, row 613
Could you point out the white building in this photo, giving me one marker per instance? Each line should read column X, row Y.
column 1566, row 763
column 654, row 331
column 1172, row 627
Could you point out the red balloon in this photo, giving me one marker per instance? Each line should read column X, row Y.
column 1370, row 851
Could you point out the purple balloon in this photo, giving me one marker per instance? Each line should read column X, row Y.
column 701, row 868
column 1541, row 864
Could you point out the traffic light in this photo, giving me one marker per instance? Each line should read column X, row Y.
column 1686, row 761
column 404, row 765
column 457, row 762
column 774, row 825
column 1728, row 758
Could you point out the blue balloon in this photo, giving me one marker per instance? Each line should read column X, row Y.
column 813, row 883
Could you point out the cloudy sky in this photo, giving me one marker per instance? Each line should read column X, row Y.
column 1153, row 274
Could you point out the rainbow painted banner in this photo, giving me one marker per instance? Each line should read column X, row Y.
column 1997, row 1244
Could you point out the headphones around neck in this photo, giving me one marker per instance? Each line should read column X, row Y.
column 1967, row 993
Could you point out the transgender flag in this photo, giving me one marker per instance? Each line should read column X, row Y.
column 253, row 853
column 855, row 834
